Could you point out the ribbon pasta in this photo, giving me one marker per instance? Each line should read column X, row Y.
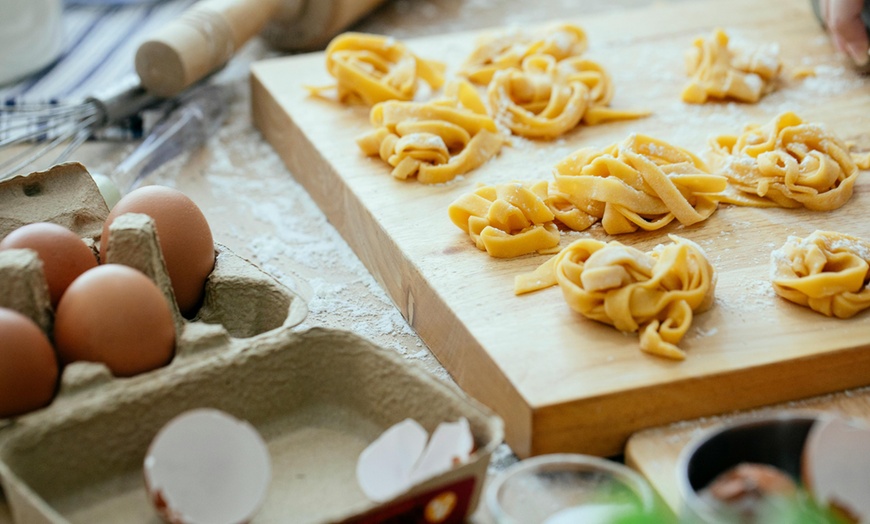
column 826, row 271
column 640, row 183
column 507, row 220
column 546, row 98
column 654, row 293
column 786, row 163
column 509, row 50
column 435, row 141
column 717, row 72
column 370, row 68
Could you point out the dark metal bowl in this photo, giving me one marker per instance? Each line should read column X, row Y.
column 776, row 440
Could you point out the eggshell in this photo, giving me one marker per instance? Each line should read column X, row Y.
column 401, row 457
column 64, row 256
column 116, row 315
column 184, row 235
column 836, row 467
column 28, row 365
column 206, row 466
column 384, row 468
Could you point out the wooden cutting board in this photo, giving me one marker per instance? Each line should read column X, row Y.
column 562, row 382
column 657, row 452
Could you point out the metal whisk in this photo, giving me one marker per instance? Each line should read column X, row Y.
column 64, row 127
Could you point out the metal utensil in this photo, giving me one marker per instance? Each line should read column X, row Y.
column 197, row 116
column 52, row 126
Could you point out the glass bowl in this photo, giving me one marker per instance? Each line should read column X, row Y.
column 567, row 488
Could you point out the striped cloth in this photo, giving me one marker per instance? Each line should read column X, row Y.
column 100, row 42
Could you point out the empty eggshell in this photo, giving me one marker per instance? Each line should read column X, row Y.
column 207, row 467
column 451, row 443
column 28, row 366
column 64, row 256
column 184, row 235
column 116, row 315
column 384, row 467
column 401, row 457
column 836, row 467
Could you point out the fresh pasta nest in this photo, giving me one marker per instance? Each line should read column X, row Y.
column 433, row 141
column 507, row 220
column 546, row 98
column 785, row 163
column 370, row 68
column 717, row 72
column 826, row 271
column 509, row 50
column 654, row 293
column 639, row 183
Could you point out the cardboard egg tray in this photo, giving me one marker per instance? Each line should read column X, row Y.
column 317, row 397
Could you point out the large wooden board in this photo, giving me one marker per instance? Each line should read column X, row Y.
column 561, row 382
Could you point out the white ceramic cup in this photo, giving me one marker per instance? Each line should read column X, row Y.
column 31, row 36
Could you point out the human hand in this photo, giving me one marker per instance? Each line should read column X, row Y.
column 843, row 21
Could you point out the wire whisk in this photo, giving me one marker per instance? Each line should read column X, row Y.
column 49, row 127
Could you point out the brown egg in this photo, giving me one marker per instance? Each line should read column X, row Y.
column 64, row 256
column 184, row 235
column 116, row 315
column 28, row 365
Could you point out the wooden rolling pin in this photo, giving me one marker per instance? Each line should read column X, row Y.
column 207, row 35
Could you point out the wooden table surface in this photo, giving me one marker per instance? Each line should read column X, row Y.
column 256, row 208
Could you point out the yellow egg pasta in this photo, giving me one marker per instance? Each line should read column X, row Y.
column 433, row 141
column 546, row 98
column 508, row 50
column 717, row 72
column 640, row 183
column 507, row 220
column 371, row 68
column 785, row 163
column 827, row 271
column 654, row 293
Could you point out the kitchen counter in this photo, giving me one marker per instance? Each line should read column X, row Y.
column 256, row 207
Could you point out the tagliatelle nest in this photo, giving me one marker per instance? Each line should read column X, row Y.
column 827, row 271
column 654, row 293
column 785, row 163
column 433, row 141
column 371, row 68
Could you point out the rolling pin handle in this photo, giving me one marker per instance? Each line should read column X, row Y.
column 201, row 41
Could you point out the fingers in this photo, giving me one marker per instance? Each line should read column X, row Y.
column 843, row 20
column 825, row 10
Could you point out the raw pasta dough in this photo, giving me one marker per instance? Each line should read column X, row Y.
column 539, row 86
column 372, row 68
column 507, row 220
column 546, row 98
column 434, row 141
column 826, row 271
column 508, row 50
column 717, row 72
column 785, row 163
column 654, row 293
column 641, row 183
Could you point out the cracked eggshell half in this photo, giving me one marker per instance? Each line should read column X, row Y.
column 836, row 467
column 207, row 467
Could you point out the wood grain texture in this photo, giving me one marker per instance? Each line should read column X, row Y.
column 562, row 382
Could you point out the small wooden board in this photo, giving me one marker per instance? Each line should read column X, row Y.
column 562, row 382
column 656, row 452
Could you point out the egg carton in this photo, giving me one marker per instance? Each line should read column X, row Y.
column 317, row 397
column 241, row 302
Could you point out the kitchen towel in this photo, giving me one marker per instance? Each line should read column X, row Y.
column 100, row 42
